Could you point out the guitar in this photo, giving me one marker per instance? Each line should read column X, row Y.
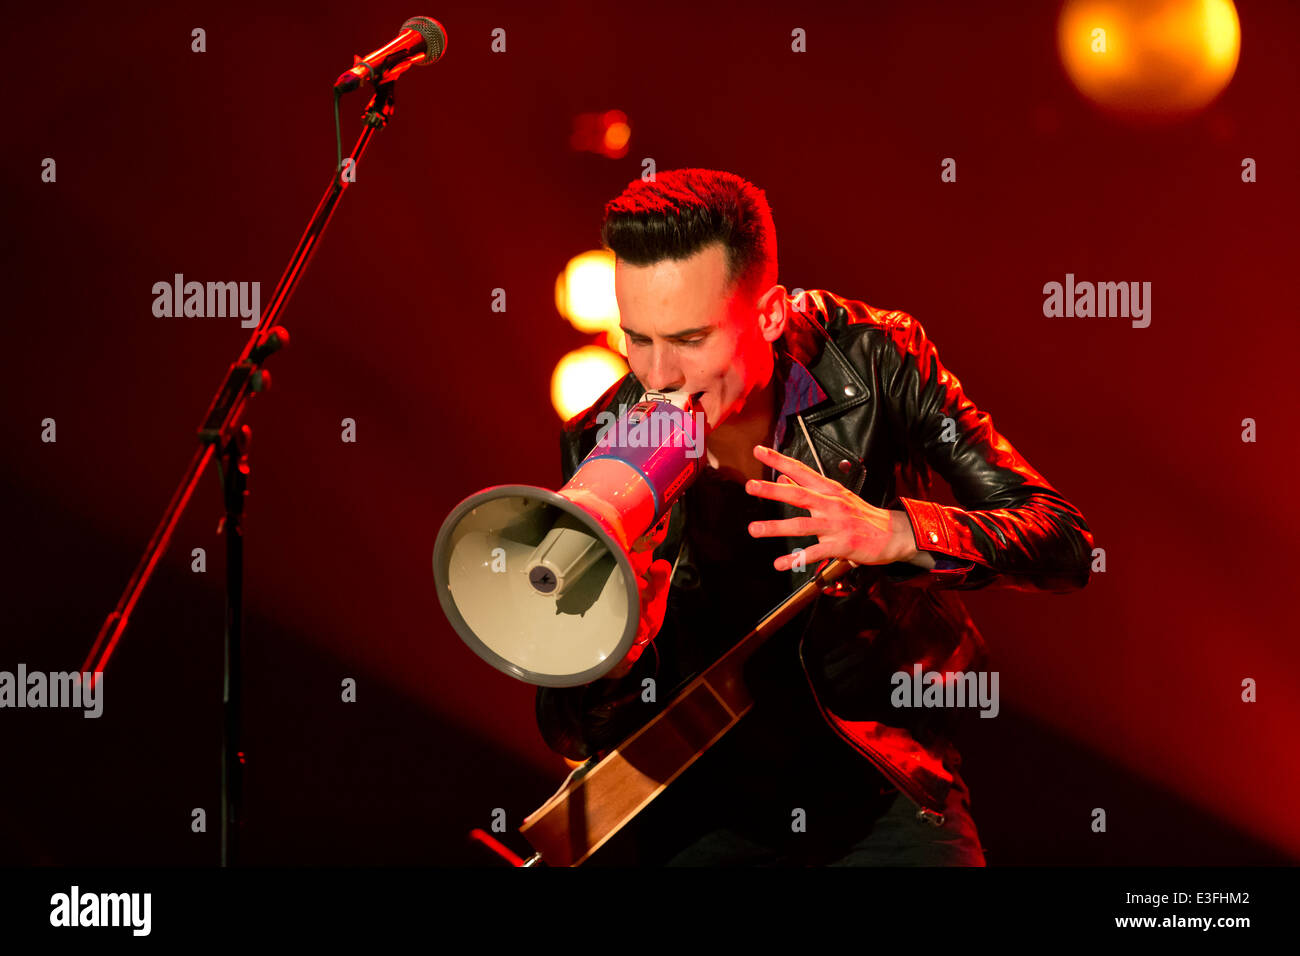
column 603, row 795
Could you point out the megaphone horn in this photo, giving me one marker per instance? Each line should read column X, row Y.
column 539, row 583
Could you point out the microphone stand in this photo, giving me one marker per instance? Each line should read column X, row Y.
column 223, row 434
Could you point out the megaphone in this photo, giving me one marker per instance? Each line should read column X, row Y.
column 538, row 583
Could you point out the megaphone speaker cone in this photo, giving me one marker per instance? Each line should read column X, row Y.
column 491, row 563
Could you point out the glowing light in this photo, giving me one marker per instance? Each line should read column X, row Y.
column 606, row 134
column 616, row 136
column 582, row 376
column 617, row 341
column 1150, row 59
column 584, row 292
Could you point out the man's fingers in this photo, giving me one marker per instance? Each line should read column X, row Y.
column 643, row 562
column 797, row 470
column 640, row 563
column 653, row 602
column 787, row 527
column 654, row 579
column 808, row 557
column 659, row 572
column 791, row 493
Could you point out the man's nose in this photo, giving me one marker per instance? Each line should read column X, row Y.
column 665, row 376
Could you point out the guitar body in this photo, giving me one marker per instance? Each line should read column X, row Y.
column 597, row 800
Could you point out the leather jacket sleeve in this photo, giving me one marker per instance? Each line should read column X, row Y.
column 1013, row 529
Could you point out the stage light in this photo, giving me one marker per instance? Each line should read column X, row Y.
column 582, row 376
column 617, row 133
column 584, row 292
column 617, row 341
column 1150, row 59
column 605, row 134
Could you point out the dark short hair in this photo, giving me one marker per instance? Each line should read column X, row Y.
column 682, row 211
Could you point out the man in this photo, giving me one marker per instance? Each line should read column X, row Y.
column 818, row 408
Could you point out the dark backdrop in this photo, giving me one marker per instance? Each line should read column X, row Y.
column 1124, row 696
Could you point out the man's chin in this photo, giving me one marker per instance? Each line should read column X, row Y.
column 700, row 402
column 724, row 417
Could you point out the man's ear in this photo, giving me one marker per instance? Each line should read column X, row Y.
column 773, row 312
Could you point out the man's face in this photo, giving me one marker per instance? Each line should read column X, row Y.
column 685, row 332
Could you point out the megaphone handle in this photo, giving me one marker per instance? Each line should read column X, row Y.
column 647, row 541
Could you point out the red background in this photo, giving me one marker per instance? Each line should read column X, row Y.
column 1124, row 696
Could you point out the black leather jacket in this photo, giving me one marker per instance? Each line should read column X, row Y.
column 882, row 432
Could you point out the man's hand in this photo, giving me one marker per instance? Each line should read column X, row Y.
column 845, row 525
column 652, row 581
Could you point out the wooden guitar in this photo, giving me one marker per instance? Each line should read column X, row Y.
column 601, row 796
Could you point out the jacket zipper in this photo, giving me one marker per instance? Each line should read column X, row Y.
column 900, row 780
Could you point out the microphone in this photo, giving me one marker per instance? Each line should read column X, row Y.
column 421, row 42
